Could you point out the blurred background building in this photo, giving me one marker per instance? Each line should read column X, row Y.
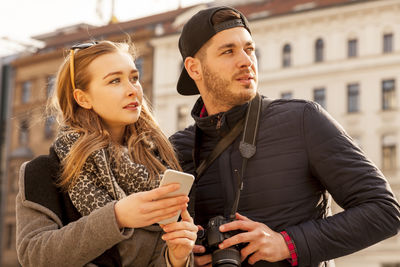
column 343, row 54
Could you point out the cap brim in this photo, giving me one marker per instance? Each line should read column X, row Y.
column 186, row 85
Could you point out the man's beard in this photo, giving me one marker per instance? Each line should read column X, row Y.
column 220, row 89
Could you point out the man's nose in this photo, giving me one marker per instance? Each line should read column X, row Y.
column 245, row 60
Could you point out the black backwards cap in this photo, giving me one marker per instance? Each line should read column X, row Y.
column 196, row 32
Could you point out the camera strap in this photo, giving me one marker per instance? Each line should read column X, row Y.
column 247, row 147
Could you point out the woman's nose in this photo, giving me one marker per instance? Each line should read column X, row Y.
column 132, row 90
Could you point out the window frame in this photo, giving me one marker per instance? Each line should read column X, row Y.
column 387, row 46
column 322, row 102
column 287, row 56
column 319, row 50
column 353, row 96
column 26, row 91
column 352, row 48
column 287, row 95
column 389, row 100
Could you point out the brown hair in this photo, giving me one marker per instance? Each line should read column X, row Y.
column 143, row 138
column 224, row 15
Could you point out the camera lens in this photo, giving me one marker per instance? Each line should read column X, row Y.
column 229, row 257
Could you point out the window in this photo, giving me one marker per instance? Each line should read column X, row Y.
column 352, row 48
column 287, row 95
column 10, row 236
column 48, row 127
column 388, row 95
column 286, row 56
column 389, row 153
column 24, row 133
column 319, row 97
column 388, row 43
column 319, row 50
column 183, row 113
column 50, row 85
column 353, row 97
column 26, row 91
column 13, row 181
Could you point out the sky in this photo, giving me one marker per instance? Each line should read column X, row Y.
column 22, row 19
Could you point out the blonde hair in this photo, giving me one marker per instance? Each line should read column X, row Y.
column 143, row 138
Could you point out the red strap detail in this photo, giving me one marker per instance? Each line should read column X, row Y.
column 203, row 112
column 292, row 248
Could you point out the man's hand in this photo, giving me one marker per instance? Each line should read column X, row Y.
column 264, row 244
column 201, row 261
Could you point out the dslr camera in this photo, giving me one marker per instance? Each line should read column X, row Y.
column 211, row 237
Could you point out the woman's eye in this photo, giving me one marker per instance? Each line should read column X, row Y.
column 117, row 80
column 251, row 49
column 135, row 79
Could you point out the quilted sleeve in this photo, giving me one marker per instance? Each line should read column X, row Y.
column 371, row 211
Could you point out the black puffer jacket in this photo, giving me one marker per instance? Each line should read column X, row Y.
column 302, row 154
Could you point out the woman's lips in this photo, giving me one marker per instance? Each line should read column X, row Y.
column 132, row 106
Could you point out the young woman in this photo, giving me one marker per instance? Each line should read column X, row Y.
column 94, row 200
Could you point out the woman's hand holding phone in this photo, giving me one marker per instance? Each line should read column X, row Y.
column 146, row 208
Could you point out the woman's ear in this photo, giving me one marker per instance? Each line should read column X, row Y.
column 193, row 68
column 82, row 99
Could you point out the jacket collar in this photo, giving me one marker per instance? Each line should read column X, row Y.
column 218, row 124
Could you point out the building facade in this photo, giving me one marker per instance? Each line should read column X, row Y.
column 345, row 55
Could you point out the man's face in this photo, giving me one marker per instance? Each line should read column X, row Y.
column 230, row 69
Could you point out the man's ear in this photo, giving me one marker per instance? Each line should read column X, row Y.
column 82, row 99
column 193, row 68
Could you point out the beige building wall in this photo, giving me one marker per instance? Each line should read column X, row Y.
column 166, row 101
column 365, row 21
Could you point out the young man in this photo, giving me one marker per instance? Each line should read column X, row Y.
column 302, row 155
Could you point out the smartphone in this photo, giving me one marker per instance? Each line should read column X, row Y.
column 184, row 179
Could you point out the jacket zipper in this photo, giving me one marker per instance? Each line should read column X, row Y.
column 219, row 121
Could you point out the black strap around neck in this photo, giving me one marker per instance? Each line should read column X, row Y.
column 247, row 146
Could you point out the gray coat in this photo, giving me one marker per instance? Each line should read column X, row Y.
column 43, row 239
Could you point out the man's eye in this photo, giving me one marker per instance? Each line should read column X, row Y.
column 227, row 51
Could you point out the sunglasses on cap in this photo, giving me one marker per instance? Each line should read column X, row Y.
column 71, row 58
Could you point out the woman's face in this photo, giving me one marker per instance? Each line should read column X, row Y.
column 114, row 91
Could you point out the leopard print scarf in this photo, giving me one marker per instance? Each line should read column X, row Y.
column 101, row 179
